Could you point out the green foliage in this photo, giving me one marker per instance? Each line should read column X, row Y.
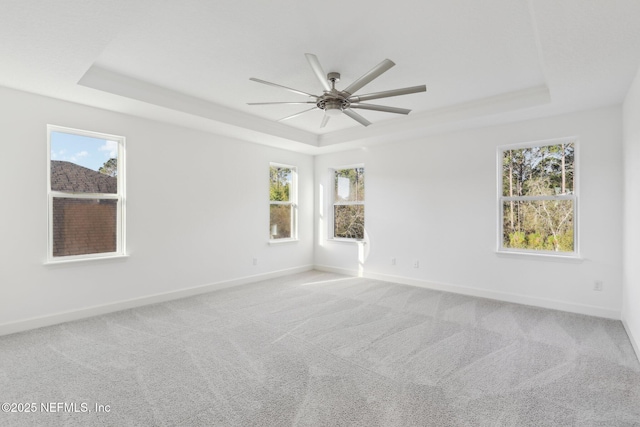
column 552, row 165
column 348, row 219
column 280, row 184
column 546, row 172
column 110, row 167
column 279, row 193
column 565, row 241
column 281, row 214
column 517, row 240
column 535, row 241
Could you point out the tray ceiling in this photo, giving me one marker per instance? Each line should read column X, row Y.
column 190, row 62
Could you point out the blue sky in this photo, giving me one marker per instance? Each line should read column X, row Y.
column 85, row 151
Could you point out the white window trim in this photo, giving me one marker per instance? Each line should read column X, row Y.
column 293, row 201
column 332, row 203
column 530, row 253
column 120, row 196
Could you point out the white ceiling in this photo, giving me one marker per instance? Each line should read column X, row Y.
column 188, row 62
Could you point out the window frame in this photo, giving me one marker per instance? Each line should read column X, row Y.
column 119, row 197
column 574, row 197
column 333, row 203
column 293, row 202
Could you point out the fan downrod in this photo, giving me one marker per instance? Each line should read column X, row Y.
column 331, row 102
column 333, row 78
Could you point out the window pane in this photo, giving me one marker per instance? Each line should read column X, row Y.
column 538, row 225
column 280, row 184
column 84, row 226
column 83, row 164
column 538, row 171
column 280, row 223
column 348, row 221
column 349, row 185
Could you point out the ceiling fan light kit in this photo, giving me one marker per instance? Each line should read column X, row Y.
column 334, row 102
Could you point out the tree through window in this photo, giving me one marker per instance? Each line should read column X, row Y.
column 86, row 194
column 282, row 202
column 538, row 199
column 348, row 203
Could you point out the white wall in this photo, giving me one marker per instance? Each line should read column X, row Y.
column 434, row 200
column 631, row 209
column 197, row 213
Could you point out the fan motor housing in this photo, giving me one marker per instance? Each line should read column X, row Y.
column 333, row 106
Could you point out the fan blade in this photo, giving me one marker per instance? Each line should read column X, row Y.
column 280, row 103
column 296, row 114
column 325, row 120
column 381, row 108
column 283, row 87
column 317, row 69
column 388, row 93
column 371, row 75
column 357, row 117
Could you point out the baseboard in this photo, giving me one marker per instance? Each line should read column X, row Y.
column 633, row 338
column 483, row 293
column 54, row 319
column 38, row 322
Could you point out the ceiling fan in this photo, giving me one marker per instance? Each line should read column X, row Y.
column 336, row 102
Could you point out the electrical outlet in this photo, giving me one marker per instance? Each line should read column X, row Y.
column 416, row 264
column 393, row 261
column 598, row 286
column 255, row 261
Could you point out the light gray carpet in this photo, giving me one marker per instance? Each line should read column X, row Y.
column 320, row 349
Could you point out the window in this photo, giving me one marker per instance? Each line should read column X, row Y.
column 348, row 203
column 282, row 202
column 86, row 194
column 537, row 201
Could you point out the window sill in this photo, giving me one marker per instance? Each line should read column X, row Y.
column 347, row 241
column 574, row 258
column 282, row 241
column 83, row 260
